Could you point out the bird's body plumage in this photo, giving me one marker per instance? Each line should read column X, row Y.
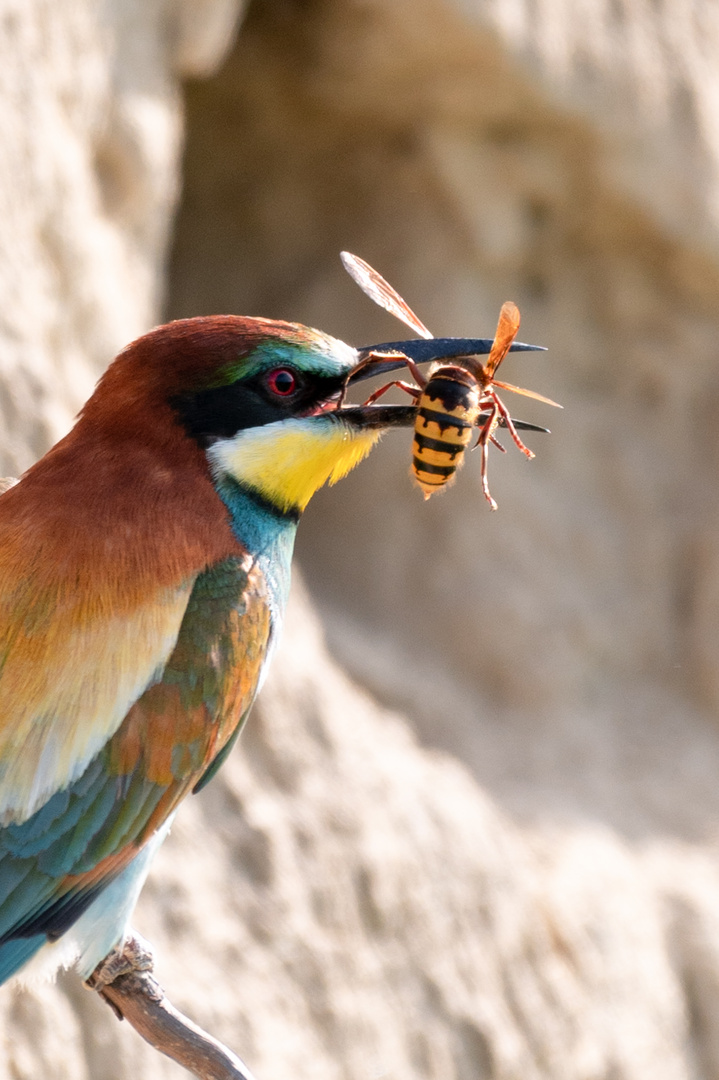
column 144, row 568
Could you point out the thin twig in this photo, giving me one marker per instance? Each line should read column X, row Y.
column 137, row 997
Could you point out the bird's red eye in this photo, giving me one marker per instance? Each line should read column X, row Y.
column 282, row 381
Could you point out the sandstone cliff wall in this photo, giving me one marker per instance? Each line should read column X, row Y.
column 518, row 877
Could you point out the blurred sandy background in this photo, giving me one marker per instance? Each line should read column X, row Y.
column 488, row 847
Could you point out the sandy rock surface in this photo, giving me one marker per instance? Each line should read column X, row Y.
column 518, row 877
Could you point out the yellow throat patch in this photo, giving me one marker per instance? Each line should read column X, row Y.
column 287, row 462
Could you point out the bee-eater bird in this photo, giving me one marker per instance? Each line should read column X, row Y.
column 144, row 569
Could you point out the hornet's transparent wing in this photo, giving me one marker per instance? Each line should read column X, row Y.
column 379, row 290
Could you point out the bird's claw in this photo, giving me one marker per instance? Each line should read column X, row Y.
column 134, row 954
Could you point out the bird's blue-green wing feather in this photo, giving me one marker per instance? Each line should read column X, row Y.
column 54, row 864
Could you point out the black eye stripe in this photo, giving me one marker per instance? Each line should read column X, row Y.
column 219, row 413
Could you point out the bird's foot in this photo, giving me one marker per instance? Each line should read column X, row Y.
column 133, row 955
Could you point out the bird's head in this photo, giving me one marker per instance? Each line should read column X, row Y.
column 258, row 396
column 269, row 418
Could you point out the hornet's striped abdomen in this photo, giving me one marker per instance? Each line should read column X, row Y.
column 446, row 416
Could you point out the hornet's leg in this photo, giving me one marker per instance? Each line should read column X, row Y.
column 409, row 363
column 483, row 442
column 414, row 391
column 419, row 377
column 492, row 439
column 501, row 409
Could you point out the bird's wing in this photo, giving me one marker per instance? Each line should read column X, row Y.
column 54, row 864
column 71, row 668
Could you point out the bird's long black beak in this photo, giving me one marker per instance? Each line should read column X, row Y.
column 389, row 416
column 373, row 359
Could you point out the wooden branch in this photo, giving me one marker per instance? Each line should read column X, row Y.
column 136, row 996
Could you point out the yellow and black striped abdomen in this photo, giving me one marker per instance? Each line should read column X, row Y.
column 446, row 415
